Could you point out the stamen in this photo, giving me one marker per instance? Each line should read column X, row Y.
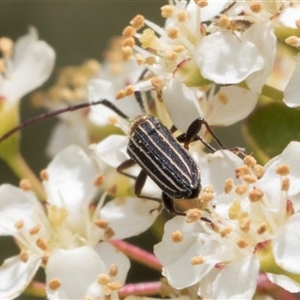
column 150, row 60
column 223, row 98
column 245, row 224
column 171, row 55
column 178, row 49
column 129, row 90
column 225, row 231
column 129, row 31
column 197, row 260
column 113, row 120
column 25, row 185
column 285, row 185
column 114, row 286
column 256, row 7
column 6, row 46
column 54, row 284
column 24, row 256
column 157, row 83
column 173, row 32
column 19, row 224
column 120, row 94
column 242, row 243
column 241, row 189
column 126, row 53
column 283, row 170
column 167, row 11
column 261, row 228
column 229, row 185
column 201, row 3
column 44, row 175
column 109, row 233
column 207, row 194
column 193, row 215
column 112, row 190
column 98, row 181
column 249, row 179
column 138, row 22
column 243, row 170
column 256, row 195
column 224, row 22
column 128, row 42
column 249, row 161
column 259, row 171
column 41, row 244
column 182, row 15
column 34, row 230
column 103, row 279
column 140, row 59
column 103, row 224
column 113, row 270
column 176, row 236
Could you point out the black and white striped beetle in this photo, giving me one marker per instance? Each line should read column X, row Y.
column 159, row 154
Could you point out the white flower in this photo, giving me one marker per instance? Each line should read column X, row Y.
column 235, row 50
column 26, row 67
column 187, row 104
column 65, row 236
column 113, row 82
column 292, row 90
column 252, row 227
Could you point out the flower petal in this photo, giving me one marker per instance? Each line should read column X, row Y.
column 65, row 134
column 102, row 89
column 111, row 255
column 285, row 282
column 286, row 248
column 236, row 280
column 17, row 205
column 181, row 104
column 129, row 216
column 238, row 104
column 33, row 63
column 289, row 156
column 15, row 275
column 292, row 90
column 76, row 269
column 217, row 167
column 176, row 257
column 217, row 61
column 112, row 150
column 70, row 185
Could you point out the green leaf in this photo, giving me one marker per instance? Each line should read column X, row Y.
column 270, row 128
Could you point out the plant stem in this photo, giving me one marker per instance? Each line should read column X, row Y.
column 20, row 168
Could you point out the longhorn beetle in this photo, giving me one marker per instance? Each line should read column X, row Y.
column 159, row 154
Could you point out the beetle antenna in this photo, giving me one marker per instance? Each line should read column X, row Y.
column 51, row 114
column 139, row 99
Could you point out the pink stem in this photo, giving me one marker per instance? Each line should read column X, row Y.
column 145, row 288
column 265, row 286
column 137, row 254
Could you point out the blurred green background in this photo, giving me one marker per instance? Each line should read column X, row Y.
column 77, row 30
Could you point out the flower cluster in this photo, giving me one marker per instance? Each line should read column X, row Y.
column 213, row 63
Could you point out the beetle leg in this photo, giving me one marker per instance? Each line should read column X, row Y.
column 139, row 181
column 182, row 138
column 193, row 131
column 126, row 165
column 170, row 207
